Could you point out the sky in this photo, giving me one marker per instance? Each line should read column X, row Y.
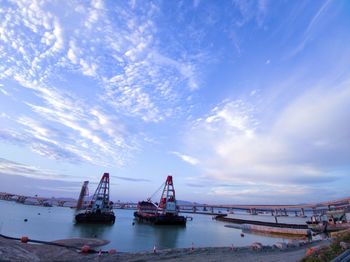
column 240, row 101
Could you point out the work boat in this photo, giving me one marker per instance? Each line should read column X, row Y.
column 99, row 210
column 164, row 213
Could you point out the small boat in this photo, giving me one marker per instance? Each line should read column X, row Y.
column 334, row 220
column 100, row 209
column 164, row 213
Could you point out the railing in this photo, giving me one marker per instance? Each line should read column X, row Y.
column 344, row 257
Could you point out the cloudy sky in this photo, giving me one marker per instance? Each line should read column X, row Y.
column 241, row 101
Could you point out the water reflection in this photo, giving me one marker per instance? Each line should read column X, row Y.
column 91, row 230
column 167, row 236
column 161, row 236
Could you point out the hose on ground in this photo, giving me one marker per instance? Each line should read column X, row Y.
column 52, row 244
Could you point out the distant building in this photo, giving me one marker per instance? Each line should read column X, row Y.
column 14, row 198
column 31, row 201
column 70, row 204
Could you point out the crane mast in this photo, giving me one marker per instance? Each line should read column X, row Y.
column 100, row 199
column 167, row 203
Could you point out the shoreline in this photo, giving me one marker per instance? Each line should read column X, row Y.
column 12, row 250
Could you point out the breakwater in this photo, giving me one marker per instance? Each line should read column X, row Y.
column 267, row 227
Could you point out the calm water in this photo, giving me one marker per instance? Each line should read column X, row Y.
column 57, row 223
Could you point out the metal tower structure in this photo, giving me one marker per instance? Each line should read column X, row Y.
column 83, row 192
column 100, row 200
column 167, row 203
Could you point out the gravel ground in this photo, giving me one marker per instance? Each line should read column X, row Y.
column 11, row 250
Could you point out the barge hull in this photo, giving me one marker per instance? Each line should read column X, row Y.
column 277, row 230
column 267, row 227
column 160, row 219
column 260, row 223
column 93, row 218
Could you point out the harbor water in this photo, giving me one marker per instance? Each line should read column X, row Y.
column 53, row 223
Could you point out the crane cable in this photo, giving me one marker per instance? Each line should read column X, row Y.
column 161, row 186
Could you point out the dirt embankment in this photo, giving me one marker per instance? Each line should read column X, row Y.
column 11, row 250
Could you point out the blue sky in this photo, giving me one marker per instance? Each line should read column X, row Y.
column 241, row 101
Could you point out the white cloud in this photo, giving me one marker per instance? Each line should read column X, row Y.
column 251, row 10
column 8, row 167
column 73, row 52
column 118, row 55
column 233, row 116
column 186, row 158
column 44, row 54
column 306, row 144
column 87, row 68
column 2, row 90
column 4, row 115
column 112, row 54
column 89, row 126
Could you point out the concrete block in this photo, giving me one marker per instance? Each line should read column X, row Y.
column 293, row 243
column 344, row 245
column 256, row 246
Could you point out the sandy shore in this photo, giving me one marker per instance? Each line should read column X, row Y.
column 11, row 250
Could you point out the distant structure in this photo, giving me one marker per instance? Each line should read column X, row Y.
column 83, row 192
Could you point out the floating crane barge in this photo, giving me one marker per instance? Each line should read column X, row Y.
column 164, row 213
column 99, row 210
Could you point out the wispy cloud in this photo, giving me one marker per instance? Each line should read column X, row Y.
column 133, row 78
column 96, row 131
column 196, row 185
column 8, row 167
column 41, row 147
column 309, row 29
column 131, row 179
column 251, row 10
column 191, row 160
column 317, row 16
column 4, row 91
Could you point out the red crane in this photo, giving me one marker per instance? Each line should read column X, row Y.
column 167, row 203
column 100, row 209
